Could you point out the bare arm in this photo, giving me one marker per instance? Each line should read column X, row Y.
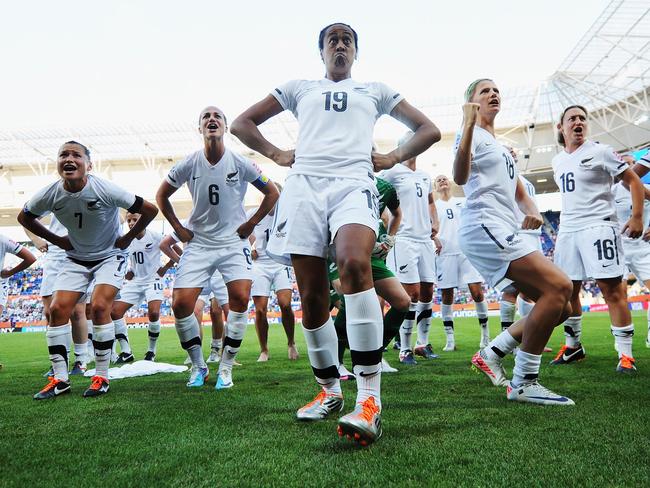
column 170, row 249
column 147, row 213
column 163, row 269
column 425, row 134
column 31, row 223
column 27, row 260
column 532, row 217
column 463, row 159
column 165, row 205
column 634, row 226
column 41, row 244
column 245, row 129
column 271, row 195
column 433, row 216
column 394, row 221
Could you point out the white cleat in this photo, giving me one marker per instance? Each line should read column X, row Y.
column 320, row 407
column 224, row 379
column 213, row 357
column 387, row 368
column 450, row 346
column 536, row 393
column 493, row 369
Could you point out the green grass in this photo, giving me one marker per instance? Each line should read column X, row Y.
column 443, row 424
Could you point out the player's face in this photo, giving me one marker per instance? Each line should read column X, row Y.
column 72, row 162
column 131, row 219
column 574, row 126
column 212, row 123
column 339, row 50
column 487, row 95
column 442, row 183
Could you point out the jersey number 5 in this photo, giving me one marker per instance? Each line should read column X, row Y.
column 338, row 101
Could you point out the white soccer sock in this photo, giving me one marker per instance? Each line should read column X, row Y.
column 526, row 368
column 524, row 306
column 623, row 339
column 122, row 335
column 103, row 339
column 237, row 322
column 447, row 313
column 187, row 329
column 90, row 326
column 365, row 334
column 573, row 331
column 406, row 329
column 80, row 352
column 501, row 345
column 423, row 318
column 216, row 344
column 153, row 333
column 322, row 349
column 57, row 338
column 507, row 311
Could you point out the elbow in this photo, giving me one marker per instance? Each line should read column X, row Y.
column 436, row 135
column 237, row 127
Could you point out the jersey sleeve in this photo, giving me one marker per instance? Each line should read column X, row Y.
column 391, row 198
column 115, row 195
column 645, row 160
column 388, row 99
column 250, row 171
column 10, row 245
column 179, row 174
column 388, row 176
column 41, row 203
column 286, row 95
column 612, row 162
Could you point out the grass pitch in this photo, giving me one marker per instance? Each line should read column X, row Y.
column 443, row 424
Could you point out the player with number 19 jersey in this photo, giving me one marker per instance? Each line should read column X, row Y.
column 589, row 241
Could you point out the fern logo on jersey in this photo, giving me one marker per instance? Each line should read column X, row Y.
column 232, row 178
column 279, row 230
column 93, row 205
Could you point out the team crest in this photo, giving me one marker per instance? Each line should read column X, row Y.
column 232, row 178
column 93, row 205
column 279, row 230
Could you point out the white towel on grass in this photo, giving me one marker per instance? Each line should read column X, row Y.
column 140, row 368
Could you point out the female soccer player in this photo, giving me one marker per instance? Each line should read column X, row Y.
column 87, row 206
column 489, row 237
column 589, row 240
column 330, row 197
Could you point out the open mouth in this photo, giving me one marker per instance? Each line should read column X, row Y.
column 494, row 103
column 69, row 167
column 577, row 130
column 340, row 59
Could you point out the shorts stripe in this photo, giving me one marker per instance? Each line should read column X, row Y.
column 487, row 231
column 615, row 245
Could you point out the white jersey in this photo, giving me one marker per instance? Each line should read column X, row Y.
column 413, row 188
column 262, row 232
column 217, row 195
column 91, row 216
column 8, row 246
column 144, row 256
column 490, row 189
column 55, row 253
column 336, row 121
column 623, row 202
column 585, row 178
column 449, row 217
column 530, row 189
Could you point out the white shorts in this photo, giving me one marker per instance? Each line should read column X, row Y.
column 198, row 264
column 491, row 247
column 267, row 275
column 413, row 261
column 312, row 209
column 533, row 240
column 455, row 271
column 135, row 293
column 637, row 258
column 51, row 268
column 592, row 253
column 4, row 292
column 216, row 289
column 77, row 277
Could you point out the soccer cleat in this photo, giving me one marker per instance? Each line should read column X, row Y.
column 535, row 393
column 53, row 389
column 49, row 373
column 626, row 365
column 492, row 368
column 198, row 377
column 99, row 386
column 647, row 343
column 224, row 379
column 484, row 342
column 363, row 424
column 78, row 368
column 396, row 345
column 125, row 357
column 188, row 360
column 114, row 357
column 320, row 407
column 406, row 357
column 450, row 346
column 150, row 356
column 568, row 355
column 387, row 368
column 425, row 351
column 214, row 356
column 345, row 374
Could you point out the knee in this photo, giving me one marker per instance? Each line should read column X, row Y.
column 99, row 310
column 402, row 303
column 154, row 317
column 56, row 314
column 286, row 309
column 353, row 267
column 182, row 308
column 238, row 302
column 478, row 296
column 260, row 313
column 564, row 289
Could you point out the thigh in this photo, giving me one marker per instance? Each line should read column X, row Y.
column 62, row 306
column 239, row 292
column 533, row 274
column 313, row 284
column 391, row 290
